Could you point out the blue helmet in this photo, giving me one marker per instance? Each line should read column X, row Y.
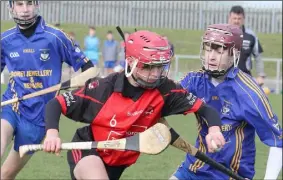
column 24, row 16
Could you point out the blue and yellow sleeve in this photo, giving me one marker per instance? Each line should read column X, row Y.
column 71, row 52
column 186, row 82
column 258, row 112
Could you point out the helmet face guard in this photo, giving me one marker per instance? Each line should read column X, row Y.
column 24, row 17
column 148, row 75
column 219, row 38
column 148, row 58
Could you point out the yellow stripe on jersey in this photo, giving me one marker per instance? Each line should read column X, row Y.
column 196, row 71
column 8, row 34
column 67, row 35
column 239, row 134
column 15, row 106
column 248, row 82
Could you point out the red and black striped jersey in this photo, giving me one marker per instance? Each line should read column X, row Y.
column 115, row 109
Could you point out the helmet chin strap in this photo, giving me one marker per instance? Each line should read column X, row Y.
column 217, row 73
column 128, row 74
column 140, row 82
column 146, row 85
column 25, row 25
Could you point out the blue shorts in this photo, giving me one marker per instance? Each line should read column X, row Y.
column 109, row 64
column 183, row 172
column 24, row 131
column 122, row 63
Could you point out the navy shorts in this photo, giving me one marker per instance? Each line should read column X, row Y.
column 109, row 64
column 25, row 132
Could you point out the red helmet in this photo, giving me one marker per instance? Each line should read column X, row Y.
column 148, row 47
column 145, row 48
column 225, row 35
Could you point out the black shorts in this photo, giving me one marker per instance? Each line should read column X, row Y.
column 74, row 156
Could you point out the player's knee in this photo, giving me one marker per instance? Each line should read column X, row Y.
column 90, row 167
column 8, row 172
column 6, row 135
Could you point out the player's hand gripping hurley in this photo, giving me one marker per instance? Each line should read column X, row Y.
column 152, row 141
column 77, row 81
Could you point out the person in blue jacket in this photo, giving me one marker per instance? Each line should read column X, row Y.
column 91, row 46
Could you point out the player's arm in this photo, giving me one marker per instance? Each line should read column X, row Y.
column 67, row 104
column 179, row 101
column 74, row 105
column 71, row 53
column 260, row 115
column 184, row 82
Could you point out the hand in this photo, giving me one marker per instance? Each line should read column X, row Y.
column 52, row 142
column 260, row 80
column 214, row 139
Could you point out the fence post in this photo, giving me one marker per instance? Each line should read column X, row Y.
column 273, row 21
column 130, row 14
column 200, row 21
column 278, row 76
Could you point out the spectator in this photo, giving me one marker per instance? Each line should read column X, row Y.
column 110, row 52
column 251, row 45
column 91, row 45
column 73, row 37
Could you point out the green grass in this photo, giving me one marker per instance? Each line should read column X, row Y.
column 48, row 166
column 185, row 42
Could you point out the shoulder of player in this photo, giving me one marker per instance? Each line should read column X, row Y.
column 168, row 85
column 192, row 74
column 252, row 95
column 8, row 33
column 248, row 88
column 57, row 33
column 102, row 84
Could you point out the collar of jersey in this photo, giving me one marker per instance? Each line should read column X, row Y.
column 231, row 74
column 119, row 84
column 126, row 89
column 40, row 27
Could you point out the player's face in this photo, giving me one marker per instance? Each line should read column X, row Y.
column 216, row 57
column 151, row 73
column 24, row 9
column 236, row 19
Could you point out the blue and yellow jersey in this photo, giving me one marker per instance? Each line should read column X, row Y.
column 35, row 63
column 245, row 110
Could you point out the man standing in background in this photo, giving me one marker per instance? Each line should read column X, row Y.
column 110, row 52
column 91, row 45
column 251, row 45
